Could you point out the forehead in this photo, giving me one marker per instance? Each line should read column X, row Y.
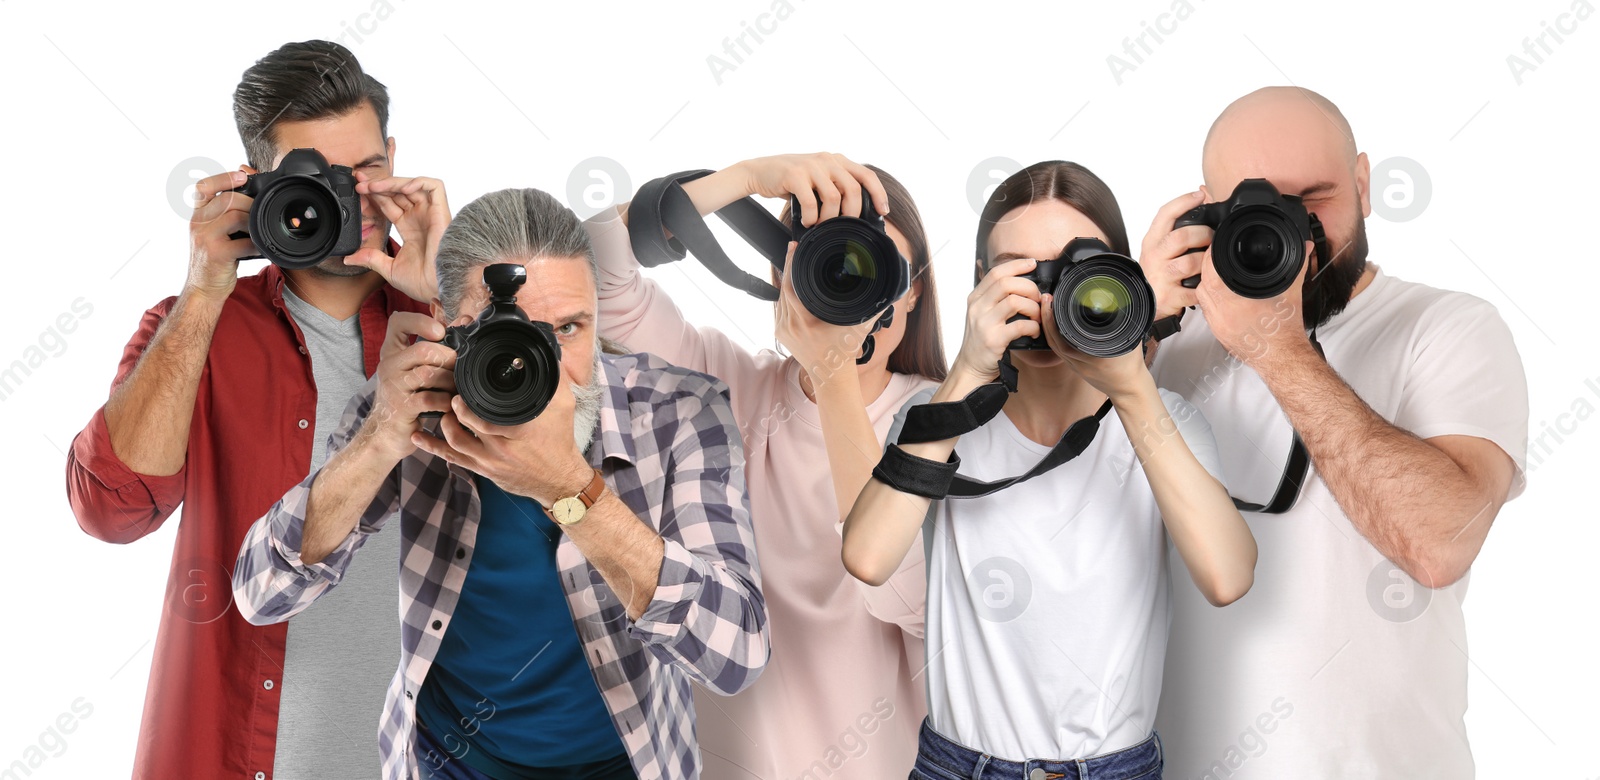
column 1039, row 230
column 558, row 288
column 347, row 140
column 1293, row 147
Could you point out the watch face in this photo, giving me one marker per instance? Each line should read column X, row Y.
column 567, row 511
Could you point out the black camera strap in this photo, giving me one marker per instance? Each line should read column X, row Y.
column 937, row 421
column 661, row 207
column 1295, row 469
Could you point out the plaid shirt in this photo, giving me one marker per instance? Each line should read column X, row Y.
column 667, row 445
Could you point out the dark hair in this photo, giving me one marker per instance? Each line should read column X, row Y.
column 1067, row 182
column 921, row 350
column 300, row 82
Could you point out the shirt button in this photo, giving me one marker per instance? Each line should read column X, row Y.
column 461, row 552
column 408, row 694
column 436, row 625
column 302, row 351
column 261, row 776
column 266, row 684
column 303, row 424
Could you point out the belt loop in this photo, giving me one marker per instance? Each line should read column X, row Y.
column 977, row 769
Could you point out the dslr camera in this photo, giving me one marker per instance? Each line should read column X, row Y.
column 1103, row 306
column 304, row 212
column 847, row 269
column 1260, row 239
column 507, row 367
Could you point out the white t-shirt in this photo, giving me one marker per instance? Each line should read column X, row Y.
column 1336, row 663
column 1048, row 601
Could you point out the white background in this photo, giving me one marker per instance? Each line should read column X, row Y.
column 102, row 104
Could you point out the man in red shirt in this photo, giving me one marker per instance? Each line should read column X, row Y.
column 223, row 400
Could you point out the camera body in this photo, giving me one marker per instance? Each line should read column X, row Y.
column 1260, row 239
column 304, row 211
column 1103, row 306
column 507, row 366
column 847, row 270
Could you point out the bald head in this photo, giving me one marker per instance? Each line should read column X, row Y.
column 1260, row 130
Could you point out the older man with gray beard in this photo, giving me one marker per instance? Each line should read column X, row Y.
column 561, row 581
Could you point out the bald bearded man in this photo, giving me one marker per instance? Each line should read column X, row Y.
column 1348, row 657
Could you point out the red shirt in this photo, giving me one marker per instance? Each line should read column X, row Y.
column 211, row 708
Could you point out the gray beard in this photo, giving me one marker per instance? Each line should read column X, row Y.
column 586, row 416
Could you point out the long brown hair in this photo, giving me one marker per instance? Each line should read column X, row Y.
column 1067, row 182
column 921, row 351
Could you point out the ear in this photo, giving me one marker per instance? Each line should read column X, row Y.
column 437, row 310
column 913, row 295
column 389, row 150
column 1364, row 184
column 977, row 271
column 248, row 170
column 1205, row 193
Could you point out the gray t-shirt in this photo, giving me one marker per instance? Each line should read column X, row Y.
column 343, row 651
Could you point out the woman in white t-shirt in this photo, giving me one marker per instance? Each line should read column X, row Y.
column 1047, row 605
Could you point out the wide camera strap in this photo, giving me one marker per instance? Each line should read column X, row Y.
column 937, row 421
column 664, row 226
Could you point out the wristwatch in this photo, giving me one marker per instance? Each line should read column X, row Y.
column 570, row 511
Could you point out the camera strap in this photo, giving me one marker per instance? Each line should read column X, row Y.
column 1298, row 465
column 937, row 421
column 661, row 207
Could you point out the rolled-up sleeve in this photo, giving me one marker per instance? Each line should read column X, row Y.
column 271, row 583
column 112, row 502
column 707, row 616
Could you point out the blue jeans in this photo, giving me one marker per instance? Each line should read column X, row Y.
column 938, row 758
column 435, row 763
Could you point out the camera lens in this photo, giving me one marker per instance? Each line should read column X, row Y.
column 1258, row 252
column 294, row 222
column 846, row 271
column 300, row 220
column 1258, row 248
column 1103, row 306
column 1099, row 299
column 509, row 372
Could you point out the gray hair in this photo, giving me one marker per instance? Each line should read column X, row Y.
column 513, row 225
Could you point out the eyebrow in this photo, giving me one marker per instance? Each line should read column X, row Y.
column 1004, row 256
column 583, row 317
column 373, row 160
column 1318, row 189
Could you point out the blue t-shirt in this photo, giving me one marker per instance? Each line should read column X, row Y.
column 509, row 687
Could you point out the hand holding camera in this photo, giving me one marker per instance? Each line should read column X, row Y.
column 507, row 373
column 415, row 381
column 220, row 212
column 826, row 185
column 821, row 348
column 419, row 211
column 1118, row 376
column 1003, row 308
